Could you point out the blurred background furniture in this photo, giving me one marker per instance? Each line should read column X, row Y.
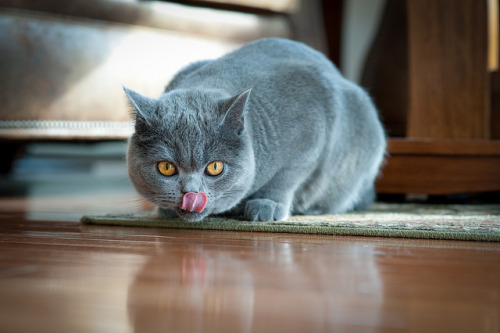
column 63, row 63
column 433, row 73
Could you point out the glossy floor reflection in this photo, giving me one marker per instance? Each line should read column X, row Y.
column 59, row 276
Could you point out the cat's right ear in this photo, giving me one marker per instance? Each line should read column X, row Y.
column 143, row 107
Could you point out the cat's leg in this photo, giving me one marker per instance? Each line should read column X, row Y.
column 367, row 199
column 337, row 205
column 266, row 210
column 273, row 201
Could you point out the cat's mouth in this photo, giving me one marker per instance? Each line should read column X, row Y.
column 191, row 207
column 194, row 202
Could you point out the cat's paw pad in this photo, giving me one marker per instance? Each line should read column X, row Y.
column 265, row 210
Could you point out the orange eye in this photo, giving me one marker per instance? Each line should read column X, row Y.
column 214, row 168
column 166, row 168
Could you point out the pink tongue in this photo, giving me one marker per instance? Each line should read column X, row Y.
column 194, row 201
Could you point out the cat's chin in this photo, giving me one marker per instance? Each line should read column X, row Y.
column 191, row 216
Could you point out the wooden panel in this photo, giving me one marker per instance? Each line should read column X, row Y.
column 441, row 166
column 332, row 19
column 495, row 105
column 433, row 147
column 449, row 84
column 385, row 74
column 493, row 35
column 439, row 174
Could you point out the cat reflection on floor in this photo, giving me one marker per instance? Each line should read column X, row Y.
column 268, row 130
column 205, row 290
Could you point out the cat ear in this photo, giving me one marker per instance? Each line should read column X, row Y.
column 142, row 105
column 235, row 115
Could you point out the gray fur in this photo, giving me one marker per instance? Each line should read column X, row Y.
column 295, row 136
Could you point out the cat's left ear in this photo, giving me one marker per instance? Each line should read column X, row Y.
column 235, row 115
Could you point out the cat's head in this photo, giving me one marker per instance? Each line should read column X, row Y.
column 191, row 152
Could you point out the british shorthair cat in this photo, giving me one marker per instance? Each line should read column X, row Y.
column 266, row 131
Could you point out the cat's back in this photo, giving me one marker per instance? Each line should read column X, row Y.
column 266, row 59
column 278, row 50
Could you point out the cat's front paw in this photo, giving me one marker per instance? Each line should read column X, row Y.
column 265, row 210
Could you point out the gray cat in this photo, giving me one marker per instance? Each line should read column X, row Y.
column 266, row 131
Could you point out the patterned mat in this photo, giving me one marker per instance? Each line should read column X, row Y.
column 453, row 222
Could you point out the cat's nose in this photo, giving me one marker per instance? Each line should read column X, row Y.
column 191, row 184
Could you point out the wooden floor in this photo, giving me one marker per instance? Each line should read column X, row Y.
column 59, row 276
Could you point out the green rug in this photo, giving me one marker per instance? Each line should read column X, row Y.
column 452, row 222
